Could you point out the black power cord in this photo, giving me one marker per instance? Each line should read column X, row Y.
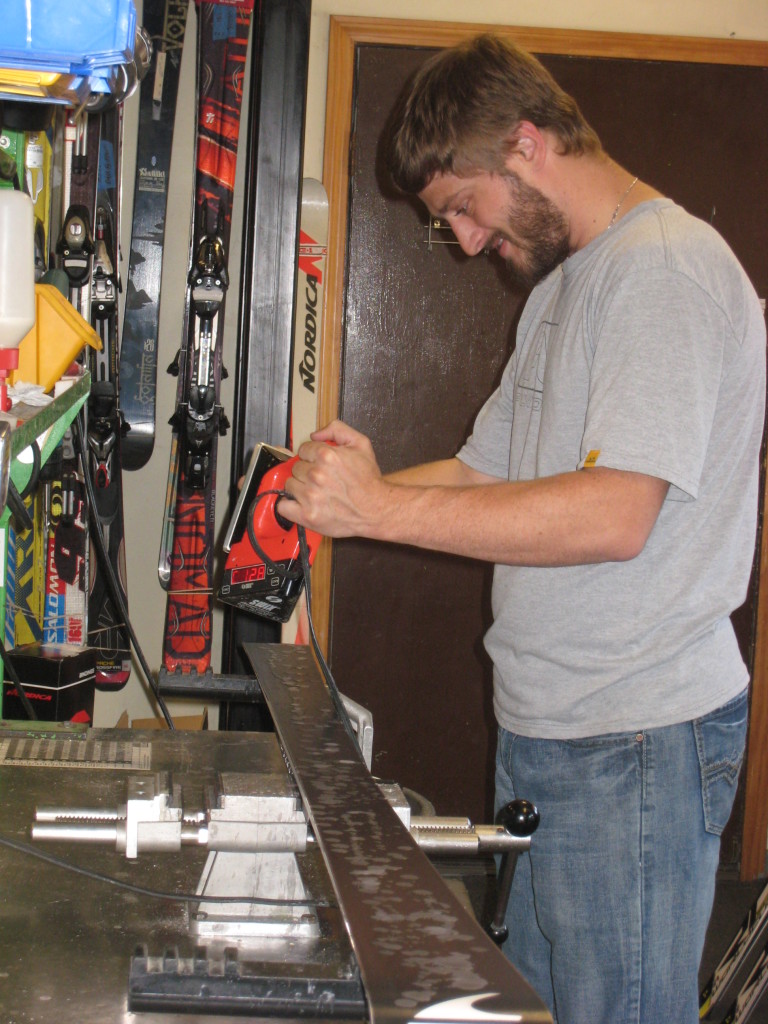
column 114, row 585
column 179, row 897
column 10, row 670
column 16, row 504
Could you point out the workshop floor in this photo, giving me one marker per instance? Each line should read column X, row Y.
column 474, row 880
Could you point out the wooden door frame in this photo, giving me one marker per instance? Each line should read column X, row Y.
column 346, row 33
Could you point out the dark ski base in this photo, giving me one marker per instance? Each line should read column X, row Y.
column 107, row 632
column 165, row 22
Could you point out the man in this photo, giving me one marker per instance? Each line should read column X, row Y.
column 612, row 479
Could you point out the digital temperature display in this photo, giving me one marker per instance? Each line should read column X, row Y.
column 249, row 574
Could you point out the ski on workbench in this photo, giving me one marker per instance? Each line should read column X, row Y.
column 199, row 419
column 164, row 21
column 422, row 956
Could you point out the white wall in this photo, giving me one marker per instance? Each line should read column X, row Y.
column 144, row 490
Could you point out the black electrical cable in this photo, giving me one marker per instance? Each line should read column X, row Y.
column 112, row 578
column 22, row 693
column 19, row 510
column 179, row 897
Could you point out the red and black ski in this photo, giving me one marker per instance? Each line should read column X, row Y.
column 223, row 28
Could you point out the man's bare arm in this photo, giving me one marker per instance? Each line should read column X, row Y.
column 591, row 515
column 444, row 473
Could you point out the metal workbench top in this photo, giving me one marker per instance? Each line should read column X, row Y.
column 66, row 941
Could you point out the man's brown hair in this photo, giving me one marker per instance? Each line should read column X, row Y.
column 460, row 112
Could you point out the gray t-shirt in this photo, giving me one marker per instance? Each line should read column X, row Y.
column 645, row 352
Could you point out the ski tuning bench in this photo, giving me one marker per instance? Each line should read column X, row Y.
column 302, row 886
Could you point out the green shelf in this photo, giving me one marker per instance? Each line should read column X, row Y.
column 46, row 425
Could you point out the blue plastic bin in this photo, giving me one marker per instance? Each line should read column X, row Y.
column 66, row 37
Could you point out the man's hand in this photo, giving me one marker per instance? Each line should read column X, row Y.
column 337, row 484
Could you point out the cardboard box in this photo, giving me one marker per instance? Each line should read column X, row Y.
column 58, row 679
column 189, row 722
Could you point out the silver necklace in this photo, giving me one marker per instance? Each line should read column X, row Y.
column 621, row 201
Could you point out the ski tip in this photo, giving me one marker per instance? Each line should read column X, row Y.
column 136, row 456
column 313, row 191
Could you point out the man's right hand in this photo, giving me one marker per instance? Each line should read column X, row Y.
column 337, row 484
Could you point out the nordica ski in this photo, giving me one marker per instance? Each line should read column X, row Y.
column 107, row 632
column 307, row 337
column 223, row 27
column 165, row 23
column 313, row 254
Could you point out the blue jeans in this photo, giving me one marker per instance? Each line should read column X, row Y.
column 609, row 910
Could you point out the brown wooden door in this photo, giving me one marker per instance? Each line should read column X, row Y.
column 426, row 333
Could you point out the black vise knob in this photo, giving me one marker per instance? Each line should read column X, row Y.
column 519, row 817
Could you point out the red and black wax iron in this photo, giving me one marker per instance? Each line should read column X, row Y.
column 264, row 573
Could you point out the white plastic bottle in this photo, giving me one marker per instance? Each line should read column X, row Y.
column 17, row 280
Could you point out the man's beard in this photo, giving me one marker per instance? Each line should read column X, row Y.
column 537, row 229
